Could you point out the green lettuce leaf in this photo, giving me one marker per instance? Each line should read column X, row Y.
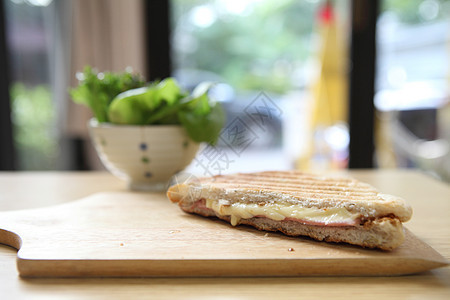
column 97, row 90
column 151, row 105
column 202, row 118
column 126, row 99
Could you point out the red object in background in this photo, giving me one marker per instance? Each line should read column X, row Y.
column 326, row 13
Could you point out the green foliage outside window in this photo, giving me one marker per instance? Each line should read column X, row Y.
column 33, row 117
column 258, row 50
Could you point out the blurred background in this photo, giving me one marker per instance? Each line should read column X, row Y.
column 339, row 84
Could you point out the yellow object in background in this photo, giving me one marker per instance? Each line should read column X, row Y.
column 330, row 90
column 328, row 148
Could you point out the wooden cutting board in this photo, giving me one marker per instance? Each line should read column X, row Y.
column 124, row 234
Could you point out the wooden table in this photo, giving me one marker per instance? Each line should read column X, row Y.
column 429, row 198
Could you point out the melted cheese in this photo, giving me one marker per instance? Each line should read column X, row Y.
column 279, row 212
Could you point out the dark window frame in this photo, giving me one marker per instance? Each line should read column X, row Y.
column 157, row 28
column 7, row 151
column 362, row 83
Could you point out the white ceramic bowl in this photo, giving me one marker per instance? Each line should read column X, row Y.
column 145, row 156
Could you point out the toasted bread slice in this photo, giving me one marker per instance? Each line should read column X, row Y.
column 296, row 203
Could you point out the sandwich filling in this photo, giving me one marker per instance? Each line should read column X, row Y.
column 282, row 211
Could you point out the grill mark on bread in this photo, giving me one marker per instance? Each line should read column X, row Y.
column 293, row 183
column 295, row 187
column 298, row 178
column 307, row 195
column 315, row 193
column 285, row 175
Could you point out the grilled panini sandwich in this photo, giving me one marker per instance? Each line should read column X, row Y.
column 299, row 204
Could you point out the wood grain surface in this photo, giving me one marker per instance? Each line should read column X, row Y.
column 123, row 234
column 429, row 198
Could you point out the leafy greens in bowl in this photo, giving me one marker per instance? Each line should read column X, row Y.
column 126, row 99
